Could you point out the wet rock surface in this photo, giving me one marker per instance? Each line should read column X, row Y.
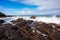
column 1, row 21
column 33, row 17
column 29, row 30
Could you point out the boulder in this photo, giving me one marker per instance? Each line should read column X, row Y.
column 1, row 21
column 33, row 17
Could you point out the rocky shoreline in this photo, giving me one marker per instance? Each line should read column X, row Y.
column 22, row 29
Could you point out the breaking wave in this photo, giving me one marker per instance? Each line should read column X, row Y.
column 52, row 19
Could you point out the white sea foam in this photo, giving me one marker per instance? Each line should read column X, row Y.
column 52, row 19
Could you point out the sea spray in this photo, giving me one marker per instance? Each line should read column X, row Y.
column 51, row 19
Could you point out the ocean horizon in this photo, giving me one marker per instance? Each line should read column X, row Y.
column 37, row 15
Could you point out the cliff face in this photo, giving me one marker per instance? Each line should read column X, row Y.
column 2, row 14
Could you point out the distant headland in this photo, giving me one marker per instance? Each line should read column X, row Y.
column 4, row 15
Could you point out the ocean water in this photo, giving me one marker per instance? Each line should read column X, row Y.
column 47, row 19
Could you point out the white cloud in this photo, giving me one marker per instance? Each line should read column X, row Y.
column 44, row 6
column 49, row 4
column 10, row 11
column 27, row 11
column 51, row 7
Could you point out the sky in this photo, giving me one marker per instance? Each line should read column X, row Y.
column 30, row 7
